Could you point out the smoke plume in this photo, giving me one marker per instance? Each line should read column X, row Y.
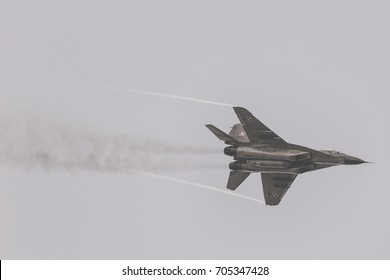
column 34, row 141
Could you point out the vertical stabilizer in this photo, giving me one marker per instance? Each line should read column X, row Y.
column 239, row 133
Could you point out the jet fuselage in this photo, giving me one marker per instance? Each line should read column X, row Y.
column 286, row 157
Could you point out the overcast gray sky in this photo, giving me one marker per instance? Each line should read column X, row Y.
column 315, row 73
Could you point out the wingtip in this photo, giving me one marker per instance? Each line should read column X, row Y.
column 238, row 108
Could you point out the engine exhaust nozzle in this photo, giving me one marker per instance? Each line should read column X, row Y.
column 230, row 151
column 235, row 166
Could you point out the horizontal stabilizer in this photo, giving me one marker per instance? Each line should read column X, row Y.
column 222, row 135
column 236, row 178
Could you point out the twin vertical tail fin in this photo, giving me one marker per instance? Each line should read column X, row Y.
column 235, row 177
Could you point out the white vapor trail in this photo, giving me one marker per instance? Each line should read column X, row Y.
column 135, row 91
column 172, row 179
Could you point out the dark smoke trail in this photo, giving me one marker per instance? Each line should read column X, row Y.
column 31, row 141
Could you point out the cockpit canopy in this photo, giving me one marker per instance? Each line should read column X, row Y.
column 333, row 153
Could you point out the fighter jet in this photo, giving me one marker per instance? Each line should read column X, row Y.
column 256, row 148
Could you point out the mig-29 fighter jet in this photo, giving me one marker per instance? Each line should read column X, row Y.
column 256, row 148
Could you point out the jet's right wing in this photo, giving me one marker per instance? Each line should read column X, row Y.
column 256, row 131
column 275, row 185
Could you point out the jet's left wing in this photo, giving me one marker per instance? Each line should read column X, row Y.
column 275, row 185
column 256, row 131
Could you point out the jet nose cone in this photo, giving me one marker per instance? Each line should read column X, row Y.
column 354, row 160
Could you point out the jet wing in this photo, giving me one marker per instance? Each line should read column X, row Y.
column 256, row 131
column 275, row 185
